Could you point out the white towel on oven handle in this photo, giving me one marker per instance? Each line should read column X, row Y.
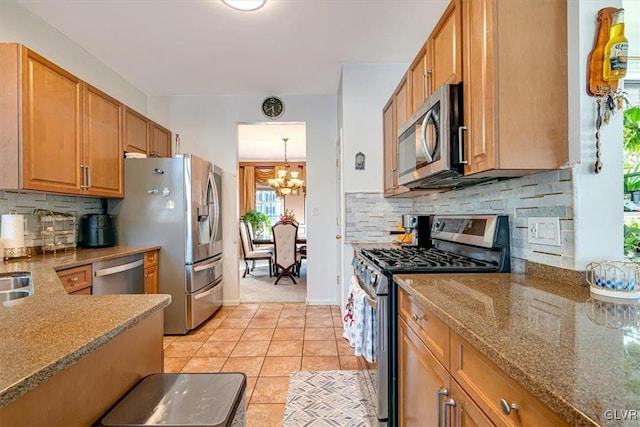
column 359, row 322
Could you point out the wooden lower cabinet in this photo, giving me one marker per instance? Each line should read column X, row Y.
column 476, row 388
column 151, row 272
column 463, row 411
column 488, row 385
column 80, row 394
column 423, row 380
column 77, row 280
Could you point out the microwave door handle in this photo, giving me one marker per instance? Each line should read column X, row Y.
column 461, row 129
column 427, row 154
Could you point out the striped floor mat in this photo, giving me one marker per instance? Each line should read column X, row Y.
column 328, row 398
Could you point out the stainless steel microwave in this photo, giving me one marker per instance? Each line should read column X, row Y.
column 430, row 149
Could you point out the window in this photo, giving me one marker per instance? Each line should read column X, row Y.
column 268, row 203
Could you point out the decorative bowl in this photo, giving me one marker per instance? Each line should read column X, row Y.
column 614, row 279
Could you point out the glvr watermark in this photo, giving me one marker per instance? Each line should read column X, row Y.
column 622, row 414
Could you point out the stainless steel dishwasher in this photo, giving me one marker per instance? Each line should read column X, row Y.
column 119, row 276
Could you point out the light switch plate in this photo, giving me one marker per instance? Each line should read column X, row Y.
column 544, row 231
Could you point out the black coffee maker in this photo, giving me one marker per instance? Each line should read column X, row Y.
column 419, row 228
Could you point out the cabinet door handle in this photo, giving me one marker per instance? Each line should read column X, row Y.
column 451, row 403
column 88, row 176
column 461, row 129
column 439, row 394
column 507, row 408
column 416, row 317
column 84, row 177
column 428, row 83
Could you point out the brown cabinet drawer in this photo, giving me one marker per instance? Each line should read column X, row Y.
column 150, row 259
column 487, row 385
column 83, row 291
column 75, row 279
column 431, row 330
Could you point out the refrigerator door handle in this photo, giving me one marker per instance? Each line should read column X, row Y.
column 215, row 207
column 205, row 267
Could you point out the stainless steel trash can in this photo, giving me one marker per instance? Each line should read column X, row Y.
column 197, row 399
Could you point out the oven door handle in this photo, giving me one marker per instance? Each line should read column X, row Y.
column 372, row 302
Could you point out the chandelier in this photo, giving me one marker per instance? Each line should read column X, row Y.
column 285, row 180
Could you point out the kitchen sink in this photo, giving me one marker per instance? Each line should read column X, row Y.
column 15, row 285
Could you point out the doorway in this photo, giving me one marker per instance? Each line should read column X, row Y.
column 266, row 151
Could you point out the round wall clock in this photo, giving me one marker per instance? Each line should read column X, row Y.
column 273, row 107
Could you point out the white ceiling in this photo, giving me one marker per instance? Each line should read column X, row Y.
column 203, row 47
column 263, row 141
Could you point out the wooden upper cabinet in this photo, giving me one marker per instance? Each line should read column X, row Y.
column 160, row 142
column 51, row 125
column 136, row 131
column 103, row 117
column 512, row 127
column 418, row 77
column 444, row 49
column 58, row 134
column 389, row 142
column 401, row 101
column 395, row 113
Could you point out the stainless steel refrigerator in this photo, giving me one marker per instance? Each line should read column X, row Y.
column 175, row 203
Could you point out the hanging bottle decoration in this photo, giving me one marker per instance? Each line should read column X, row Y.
column 616, row 50
column 606, row 64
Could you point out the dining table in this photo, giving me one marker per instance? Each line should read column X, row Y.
column 301, row 240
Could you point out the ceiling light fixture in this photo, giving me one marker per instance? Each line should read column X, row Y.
column 245, row 5
column 285, row 181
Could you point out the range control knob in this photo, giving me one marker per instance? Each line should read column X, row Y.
column 373, row 278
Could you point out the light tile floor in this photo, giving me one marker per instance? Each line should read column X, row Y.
column 267, row 342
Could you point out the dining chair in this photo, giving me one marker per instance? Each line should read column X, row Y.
column 251, row 255
column 252, row 245
column 302, row 251
column 286, row 256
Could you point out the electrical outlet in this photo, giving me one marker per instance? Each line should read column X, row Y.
column 544, row 231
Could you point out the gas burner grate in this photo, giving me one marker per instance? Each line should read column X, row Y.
column 424, row 259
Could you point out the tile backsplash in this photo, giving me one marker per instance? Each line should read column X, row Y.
column 27, row 203
column 370, row 216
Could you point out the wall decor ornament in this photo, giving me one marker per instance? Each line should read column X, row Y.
column 610, row 47
column 360, row 159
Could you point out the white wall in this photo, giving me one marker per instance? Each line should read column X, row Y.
column 598, row 212
column 208, row 128
column 366, row 88
column 18, row 25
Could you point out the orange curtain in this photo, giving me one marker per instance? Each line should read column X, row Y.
column 262, row 174
column 248, row 190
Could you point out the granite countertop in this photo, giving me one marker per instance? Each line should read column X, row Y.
column 46, row 332
column 578, row 354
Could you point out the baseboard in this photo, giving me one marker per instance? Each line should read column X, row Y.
column 230, row 302
column 321, row 302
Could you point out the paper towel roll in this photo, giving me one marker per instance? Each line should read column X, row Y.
column 12, row 231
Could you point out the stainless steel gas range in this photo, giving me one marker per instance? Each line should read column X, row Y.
column 457, row 244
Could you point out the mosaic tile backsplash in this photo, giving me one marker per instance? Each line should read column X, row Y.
column 370, row 217
column 27, row 203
